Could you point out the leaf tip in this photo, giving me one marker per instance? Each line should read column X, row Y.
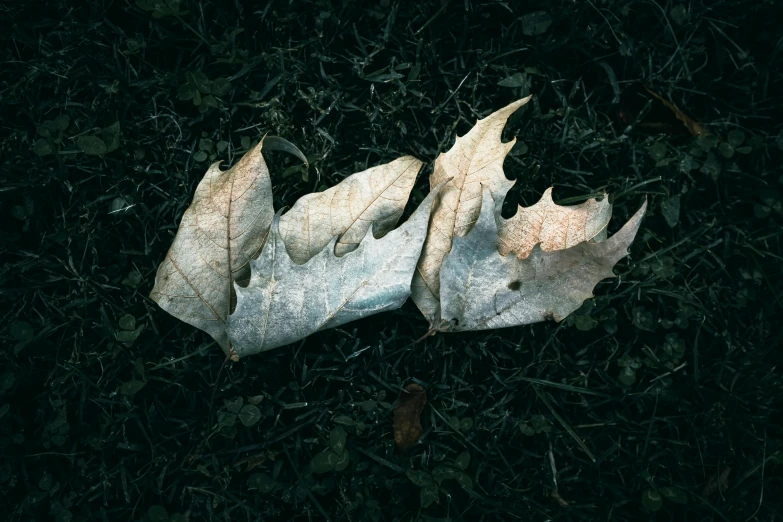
column 636, row 219
column 214, row 168
column 282, row 144
column 523, row 101
column 623, row 238
column 513, row 106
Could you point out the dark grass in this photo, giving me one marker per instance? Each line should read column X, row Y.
column 695, row 313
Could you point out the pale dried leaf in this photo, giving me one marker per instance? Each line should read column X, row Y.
column 481, row 289
column 285, row 301
column 221, row 231
column 476, row 159
column 555, row 227
column 375, row 197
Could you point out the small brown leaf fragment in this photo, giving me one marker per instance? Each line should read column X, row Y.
column 407, row 416
column 717, row 482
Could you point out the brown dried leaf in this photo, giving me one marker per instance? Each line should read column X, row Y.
column 553, row 226
column 407, row 416
column 475, row 160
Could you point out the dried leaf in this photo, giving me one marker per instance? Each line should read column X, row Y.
column 376, row 196
column 221, row 231
column 476, row 159
column 407, row 416
column 481, row 289
column 285, row 301
column 228, row 222
column 325, row 266
column 553, row 226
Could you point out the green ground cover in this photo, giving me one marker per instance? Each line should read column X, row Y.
column 660, row 399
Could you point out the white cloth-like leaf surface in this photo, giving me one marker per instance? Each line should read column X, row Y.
column 228, row 222
column 481, row 289
column 475, row 160
column 374, row 198
column 221, row 231
column 285, row 302
column 555, row 227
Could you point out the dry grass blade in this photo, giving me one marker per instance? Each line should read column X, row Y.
column 695, row 128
